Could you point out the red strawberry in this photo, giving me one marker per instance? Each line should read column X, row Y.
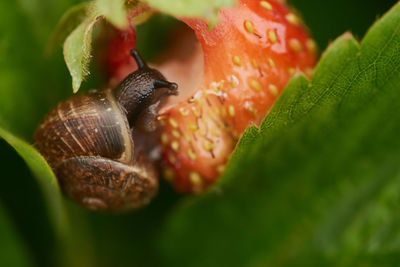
column 249, row 56
column 121, row 64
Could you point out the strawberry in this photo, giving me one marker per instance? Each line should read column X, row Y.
column 120, row 64
column 248, row 58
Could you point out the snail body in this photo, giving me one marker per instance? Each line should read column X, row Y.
column 88, row 140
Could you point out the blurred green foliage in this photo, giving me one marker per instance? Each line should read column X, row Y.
column 329, row 19
column 30, row 84
column 14, row 252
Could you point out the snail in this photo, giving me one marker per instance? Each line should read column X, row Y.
column 89, row 141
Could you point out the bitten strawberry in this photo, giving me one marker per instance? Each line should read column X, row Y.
column 249, row 57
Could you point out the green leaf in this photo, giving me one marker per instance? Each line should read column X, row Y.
column 114, row 11
column 78, row 44
column 318, row 183
column 206, row 8
column 13, row 252
column 45, row 179
column 68, row 22
column 77, row 48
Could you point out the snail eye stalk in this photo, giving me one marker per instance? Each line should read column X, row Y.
column 139, row 60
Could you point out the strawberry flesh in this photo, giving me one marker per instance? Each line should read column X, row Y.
column 247, row 59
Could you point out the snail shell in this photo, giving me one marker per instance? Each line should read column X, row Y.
column 88, row 142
